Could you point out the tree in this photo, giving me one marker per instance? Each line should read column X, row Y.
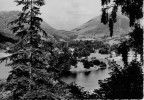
column 136, row 41
column 133, row 9
column 78, row 92
column 130, row 8
column 29, row 78
column 126, row 82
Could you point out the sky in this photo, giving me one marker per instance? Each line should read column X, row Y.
column 62, row 14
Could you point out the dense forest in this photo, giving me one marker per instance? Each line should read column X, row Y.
column 37, row 64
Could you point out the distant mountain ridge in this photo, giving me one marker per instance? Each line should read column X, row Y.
column 95, row 29
column 8, row 16
column 92, row 29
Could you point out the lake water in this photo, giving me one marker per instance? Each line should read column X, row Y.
column 4, row 71
column 88, row 80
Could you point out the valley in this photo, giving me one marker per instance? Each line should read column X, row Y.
column 82, row 56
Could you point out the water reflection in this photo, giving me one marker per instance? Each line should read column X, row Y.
column 88, row 80
column 4, row 70
column 73, row 75
column 87, row 73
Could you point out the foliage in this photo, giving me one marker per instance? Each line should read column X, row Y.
column 124, row 49
column 136, row 40
column 78, row 92
column 36, row 68
column 81, row 49
column 84, row 48
column 31, row 76
column 96, row 62
column 102, row 64
column 86, row 64
column 135, row 43
column 124, row 83
column 105, row 49
column 2, row 84
column 115, row 48
column 61, row 62
column 130, row 8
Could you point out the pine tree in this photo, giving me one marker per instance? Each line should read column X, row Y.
column 36, row 68
column 29, row 78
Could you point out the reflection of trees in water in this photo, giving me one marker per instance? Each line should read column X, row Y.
column 73, row 75
column 97, row 72
column 87, row 73
column 68, row 74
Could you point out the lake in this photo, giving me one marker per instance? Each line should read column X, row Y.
column 4, row 71
column 88, row 80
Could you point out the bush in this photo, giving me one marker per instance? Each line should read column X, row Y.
column 86, row 64
column 78, row 92
column 123, row 83
column 96, row 62
column 73, row 62
column 85, row 53
column 91, row 63
column 102, row 65
column 104, row 51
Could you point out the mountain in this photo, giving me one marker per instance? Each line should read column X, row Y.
column 92, row 29
column 95, row 29
column 58, row 34
column 6, row 17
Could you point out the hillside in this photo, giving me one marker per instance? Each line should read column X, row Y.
column 95, row 29
column 92, row 29
column 6, row 17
